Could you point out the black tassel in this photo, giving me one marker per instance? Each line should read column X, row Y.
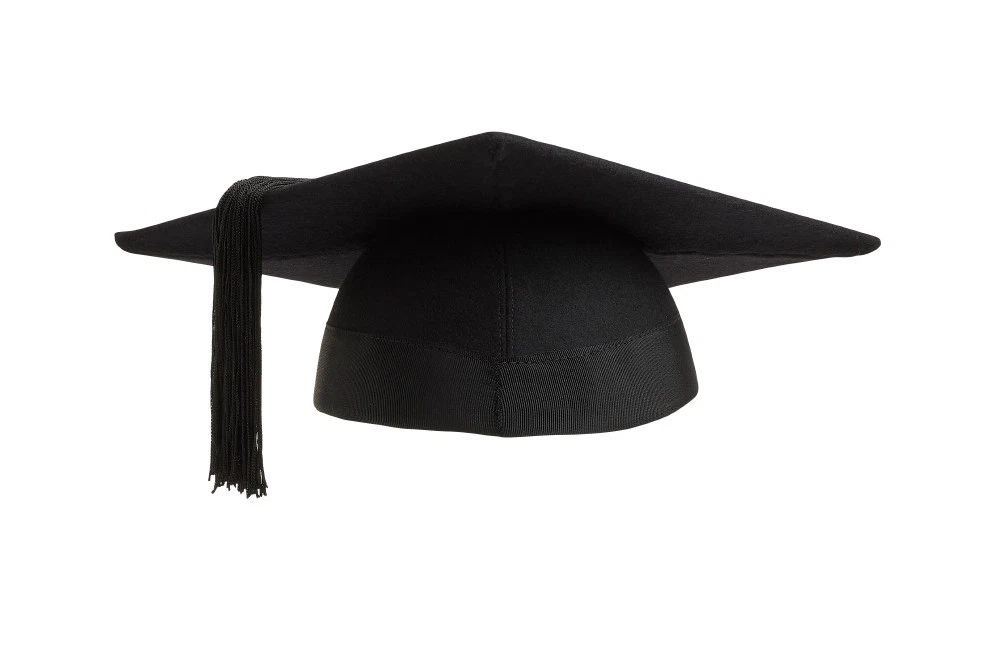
column 236, row 373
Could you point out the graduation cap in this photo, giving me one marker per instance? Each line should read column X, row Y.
column 493, row 285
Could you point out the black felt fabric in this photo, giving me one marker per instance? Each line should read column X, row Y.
column 507, row 289
column 531, row 326
column 571, row 285
column 400, row 383
column 427, row 284
column 315, row 230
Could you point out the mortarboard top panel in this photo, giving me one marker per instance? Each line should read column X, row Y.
column 313, row 231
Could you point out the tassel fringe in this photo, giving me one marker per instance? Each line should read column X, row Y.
column 237, row 443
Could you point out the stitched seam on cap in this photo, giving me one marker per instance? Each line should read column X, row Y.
column 597, row 349
column 532, row 359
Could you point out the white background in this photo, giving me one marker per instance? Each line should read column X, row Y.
column 830, row 497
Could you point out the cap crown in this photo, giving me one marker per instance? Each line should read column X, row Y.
column 509, row 328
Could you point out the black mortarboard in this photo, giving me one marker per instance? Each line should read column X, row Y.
column 493, row 285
